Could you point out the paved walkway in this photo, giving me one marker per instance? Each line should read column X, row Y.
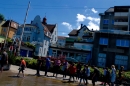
column 29, row 71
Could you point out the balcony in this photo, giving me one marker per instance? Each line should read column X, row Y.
column 121, row 14
column 121, row 23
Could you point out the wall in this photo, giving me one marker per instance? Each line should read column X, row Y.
column 83, row 46
column 11, row 32
column 61, row 42
column 54, row 36
column 1, row 23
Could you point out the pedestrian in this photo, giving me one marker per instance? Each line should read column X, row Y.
column 57, row 67
column 113, row 75
column 39, row 63
column 22, row 67
column 95, row 75
column 87, row 73
column 78, row 70
column 107, row 77
column 72, row 71
column 47, row 65
column 82, row 75
column 4, row 59
column 65, row 67
column 104, row 74
column 120, row 74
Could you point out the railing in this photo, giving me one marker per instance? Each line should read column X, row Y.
column 114, row 31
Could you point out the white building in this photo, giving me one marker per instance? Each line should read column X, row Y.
column 61, row 41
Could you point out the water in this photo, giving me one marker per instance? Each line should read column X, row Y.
column 7, row 78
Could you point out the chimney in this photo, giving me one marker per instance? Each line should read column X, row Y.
column 31, row 22
column 44, row 21
column 81, row 25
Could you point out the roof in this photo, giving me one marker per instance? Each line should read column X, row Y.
column 13, row 24
column 51, row 27
column 111, row 9
column 61, row 37
column 46, row 30
column 73, row 32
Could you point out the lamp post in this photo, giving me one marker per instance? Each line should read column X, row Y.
column 23, row 29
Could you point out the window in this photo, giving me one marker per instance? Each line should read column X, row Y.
column 4, row 29
column 28, row 38
column 33, row 38
column 122, row 43
column 121, row 60
column 101, row 60
column 55, row 32
column 44, row 50
column 103, row 41
column 112, row 21
column 105, row 21
column 55, row 38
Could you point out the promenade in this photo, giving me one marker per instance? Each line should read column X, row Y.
column 31, row 72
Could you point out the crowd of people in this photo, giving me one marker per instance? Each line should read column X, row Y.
column 76, row 71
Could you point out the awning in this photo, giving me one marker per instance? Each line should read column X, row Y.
column 2, row 38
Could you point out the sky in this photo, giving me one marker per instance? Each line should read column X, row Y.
column 67, row 14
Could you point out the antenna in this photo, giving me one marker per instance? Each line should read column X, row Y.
column 45, row 15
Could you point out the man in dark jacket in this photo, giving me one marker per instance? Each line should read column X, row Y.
column 39, row 63
column 4, row 59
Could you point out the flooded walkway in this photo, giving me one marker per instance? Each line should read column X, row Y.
column 8, row 78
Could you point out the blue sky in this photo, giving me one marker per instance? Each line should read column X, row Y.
column 67, row 14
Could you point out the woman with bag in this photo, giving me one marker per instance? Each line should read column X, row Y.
column 22, row 67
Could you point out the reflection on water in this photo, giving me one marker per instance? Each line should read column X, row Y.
column 8, row 78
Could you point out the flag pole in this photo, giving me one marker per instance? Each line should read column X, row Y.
column 23, row 29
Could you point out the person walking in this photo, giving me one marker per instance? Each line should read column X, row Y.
column 39, row 63
column 107, row 77
column 78, row 70
column 65, row 65
column 22, row 67
column 72, row 71
column 57, row 64
column 120, row 74
column 4, row 59
column 95, row 75
column 82, row 75
column 47, row 65
column 113, row 75
column 87, row 73
column 104, row 74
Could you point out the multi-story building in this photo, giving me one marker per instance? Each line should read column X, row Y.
column 1, row 23
column 78, row 45
column 38, row 34
column 112, row 41
column 9, row 28
column 61, row 41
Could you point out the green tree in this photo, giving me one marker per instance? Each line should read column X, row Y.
column 2, row 17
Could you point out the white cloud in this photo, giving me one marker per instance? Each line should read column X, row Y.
column 97, row 20
column 63, row 33
column 69, row 26
column 92, row 25
column 80, row 18
column 94, row 11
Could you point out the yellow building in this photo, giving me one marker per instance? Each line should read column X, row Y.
column 9, row 28
column 1, row 23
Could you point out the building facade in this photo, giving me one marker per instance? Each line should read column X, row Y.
column 9, row 28
column 61, row 40
column 1, row 23
column 37, row 34
column 112, row 43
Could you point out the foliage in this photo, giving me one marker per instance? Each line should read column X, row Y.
column 9, row 40
column 2, row 17
column 29, row 45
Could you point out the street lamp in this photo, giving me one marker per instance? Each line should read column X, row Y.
column 23, row 29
